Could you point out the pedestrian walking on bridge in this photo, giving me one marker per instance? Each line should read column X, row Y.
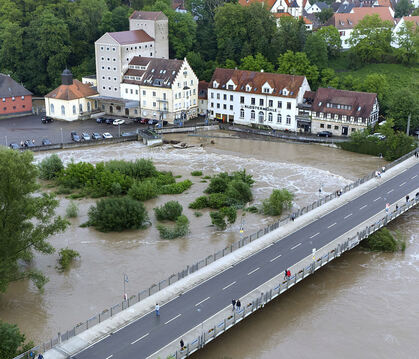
column 233, row 302
column 238, row 305
column 157, row 310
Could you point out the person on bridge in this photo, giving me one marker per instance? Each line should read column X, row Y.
column 238, row 305
column 157, row 310
column 407, row 198
column 182, row 344
column 233, row 302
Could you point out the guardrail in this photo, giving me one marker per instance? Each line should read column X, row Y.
column 250, row 303
column 107, row 313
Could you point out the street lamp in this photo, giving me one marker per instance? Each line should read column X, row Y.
column 125, row 281
column 62, row 138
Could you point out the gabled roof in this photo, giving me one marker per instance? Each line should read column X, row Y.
column 361, row 102
column 269, row 3
column 158, row 72
column 256, row 80
column 321, row 5
column 345, row 8
column 349, row 21
column 10, row 88
column 294, row 4
column 131, row 37
column 148, row 15
column 72, row 92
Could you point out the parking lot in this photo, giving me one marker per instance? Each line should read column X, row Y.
column 16, row 130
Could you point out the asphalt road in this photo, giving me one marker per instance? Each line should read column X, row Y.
column 150, row 333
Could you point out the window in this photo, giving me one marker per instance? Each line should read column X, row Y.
column 154, row 93
column 212, row 95
column 288, row 105
column 271, row 103
column 353, row 129
column 231, row 107
column 23, row 97
column 252, row 114
column 13, row 98
column 253, row 101
column 218, row 96
column 279, row 104
column 279, row 118
column 81, row 107
column 231, row 97
column 212, row 104
column 218, row 105
column 336, row 127
column 241, row 113
column 136, row 92
column 288, row 120
column 131, row 91
column 154, row 104
column 230, row 87
column 261, row 102
column 322, row 125
column 270, row 116
column 52, row 108
column 241, row 99
column 225, row 107
column 224, row 97
column 266, row 90
column 89, row 107
column 329, row 127
column 164, row 96
column 74, row 110
column 143, row 92
column 126, row 90
column 261, row 116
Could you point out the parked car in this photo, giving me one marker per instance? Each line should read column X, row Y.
column 109, row 121
column 14, row 146
column 47, row 119
column 137, row 119
column 107, row 135
column 29, row 143
column 46, row 141
column 96, row 136
column 144, row 120
column 75, row 137
column 324, row 134
column 378, row 135
column 126, row 134
column 153, row 122
column 85, row 136
column 101, row 120
column 118, row 121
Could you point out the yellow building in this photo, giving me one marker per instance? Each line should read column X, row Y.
column 70, row 100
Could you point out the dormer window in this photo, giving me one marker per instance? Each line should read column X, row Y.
column 266, row 90
column 359, row 108
column 320, row 103
column 248, row 88
column 215, row 84
column 285, row 92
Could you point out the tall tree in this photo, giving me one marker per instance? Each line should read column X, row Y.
column 316, row 50
column 256, row 63
column 376, row 83
column 291, row 35
column 371, row 38
column 298, row 64
column 330, row 35
column 325, row 15
column 407, row 39
column 402, row 8
column 402, row 104
column 12, row 341
column 26, row 218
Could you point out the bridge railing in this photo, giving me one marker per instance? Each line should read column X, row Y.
column 254, row 301
column 107, row 313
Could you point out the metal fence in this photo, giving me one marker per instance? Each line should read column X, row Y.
column 107, row 313
column 251, row 304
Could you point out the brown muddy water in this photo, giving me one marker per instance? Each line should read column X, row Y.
column 362, row 305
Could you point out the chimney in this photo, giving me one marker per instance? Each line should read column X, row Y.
column 67, row 77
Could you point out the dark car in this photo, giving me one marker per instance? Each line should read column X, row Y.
column 29, row 143
column 46, row 142
column 324, row 134
column 109, row 121
column 47, row 119
column 96, row 136
column 14, row 146
column 153, row 122
column 75, row 137
column 101, row 120
column 137, row 119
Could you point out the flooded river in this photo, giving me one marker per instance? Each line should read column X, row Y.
column 361, row 303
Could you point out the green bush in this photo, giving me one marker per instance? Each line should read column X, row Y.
column 117, row 214
column 170, row 210
column 77, row 175
column 217, row 219
column 140, row 169
column 252, row 209
column 175, row 188
column 383, row 241
column 181, row 229
column 206, row 177
column 143, row 191
column 199, row 203
column 163, row 178
column 218, row 200
column 197, row 214
column 230, row 213
column 72, row 210
column 218, row 184
column 63, row 190
column 50, row 167
column 279, row 200
column 106, row 182
column 67, row 257
column 196, row 173
column 239, row 192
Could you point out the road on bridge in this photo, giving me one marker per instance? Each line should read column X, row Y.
column 149, row 333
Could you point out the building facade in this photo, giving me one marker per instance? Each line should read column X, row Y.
column 203, row 98
column 256, row 98
column 339, row 111
column 159, row 89
column 72, row 100
column 15, row 100
column 147, row 37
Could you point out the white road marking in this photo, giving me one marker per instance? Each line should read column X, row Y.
column 377, row 199
column 402, row 184
column 347, row 216
column 253, row 271
column 173, row 319
column 390, row 191
column 414, row 176
column 313, row 235
column 202, row 301
column 331, row 225
column 299, row 244
column 136, row 340
column 110, row 356
column 363, row 207
column 275, row 258
column 229, row 285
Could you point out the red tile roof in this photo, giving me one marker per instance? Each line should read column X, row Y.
column 281, row 14
column 269, row 3
column 131, row 37
column 72, row 92
column 256, row 80
column 349, row 21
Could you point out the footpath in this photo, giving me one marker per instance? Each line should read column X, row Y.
column 99, row 331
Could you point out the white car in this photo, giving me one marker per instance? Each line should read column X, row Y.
column 118, row 121
column 107, row 135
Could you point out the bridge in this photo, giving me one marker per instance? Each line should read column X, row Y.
column 195, row 304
